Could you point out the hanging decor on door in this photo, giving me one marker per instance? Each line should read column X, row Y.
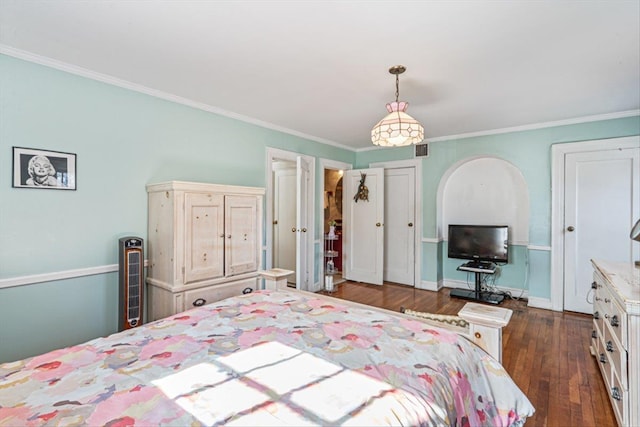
column 363, row 191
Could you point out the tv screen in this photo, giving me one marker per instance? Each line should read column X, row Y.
column 479, row 242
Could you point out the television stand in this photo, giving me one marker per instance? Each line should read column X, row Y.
column 478, row 294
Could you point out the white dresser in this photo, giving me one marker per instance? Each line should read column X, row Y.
column 615, row 340
column 204, row 244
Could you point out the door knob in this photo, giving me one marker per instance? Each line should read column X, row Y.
column 378, row 224
column 275, row 222
column 304, row 230
column 570, row 228
column 410, row 224
column 293, row 229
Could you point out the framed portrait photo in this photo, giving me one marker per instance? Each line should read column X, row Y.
column 35, row 168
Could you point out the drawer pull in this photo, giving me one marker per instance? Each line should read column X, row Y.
column 610, row 346
column 614, row 321
column 596, row 315
column 598, row 299
column 594, row 334
column 247, row 291
column 615, row 393
column 603, row 358
column 607, row 300
column 594, row 285
column 199, row 302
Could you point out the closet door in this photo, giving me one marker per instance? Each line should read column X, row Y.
column 303, row 260
column 601, row 205
column 204, row 236
column 241, row 234
column 399, row 230
column 284, row 220
column 363, row 231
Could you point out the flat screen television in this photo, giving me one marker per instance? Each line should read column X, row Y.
column 479, row 242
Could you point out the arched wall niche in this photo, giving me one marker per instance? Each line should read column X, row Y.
column 484, row 190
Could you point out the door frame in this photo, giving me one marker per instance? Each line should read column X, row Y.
column 558, row 154
column 274, row 154
column 417, row 245
column 334, row 165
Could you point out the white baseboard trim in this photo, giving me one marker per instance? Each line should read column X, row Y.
column 59, row 275
column 544, row 303
column 429, row 286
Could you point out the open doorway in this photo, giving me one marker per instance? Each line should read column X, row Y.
column 332, row 226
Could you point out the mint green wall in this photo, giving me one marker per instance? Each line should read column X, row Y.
column 126, row 139
column 123, row 140
column 41, row 317
column 530, row 152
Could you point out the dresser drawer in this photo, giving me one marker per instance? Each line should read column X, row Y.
column 617, row 306
column 616, row 320
column 213, row 293
column 599, row 311
column 616, row 355
column 609, row 311
column 618, row 396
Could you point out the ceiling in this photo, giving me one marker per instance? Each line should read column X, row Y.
column 319, row 69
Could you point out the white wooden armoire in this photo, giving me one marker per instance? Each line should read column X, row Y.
column 204, row 244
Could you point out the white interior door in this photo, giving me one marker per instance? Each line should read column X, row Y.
column 363, row 231
column 284, row 219
column 302, row 220
column 399, row 225
column 601, row 204
column 302, row 208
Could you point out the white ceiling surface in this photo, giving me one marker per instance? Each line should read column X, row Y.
column 319, row 69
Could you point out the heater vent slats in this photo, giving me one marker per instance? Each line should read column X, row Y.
column 133, row 286
column 131, row 283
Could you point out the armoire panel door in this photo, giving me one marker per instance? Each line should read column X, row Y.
column 241, row 234
column 204, row 238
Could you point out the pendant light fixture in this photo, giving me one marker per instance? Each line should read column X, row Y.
column 397, row 128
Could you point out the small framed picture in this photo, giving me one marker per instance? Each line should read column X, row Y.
column 35, row 168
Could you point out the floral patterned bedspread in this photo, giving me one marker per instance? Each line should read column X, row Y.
column 266, row 358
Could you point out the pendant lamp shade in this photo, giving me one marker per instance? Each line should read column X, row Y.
column 397, row 128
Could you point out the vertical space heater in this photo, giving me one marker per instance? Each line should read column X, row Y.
column 131, row 279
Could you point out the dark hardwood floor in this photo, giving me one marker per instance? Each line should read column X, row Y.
column 546, row 352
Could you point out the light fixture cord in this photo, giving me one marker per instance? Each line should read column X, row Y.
column 397, row 87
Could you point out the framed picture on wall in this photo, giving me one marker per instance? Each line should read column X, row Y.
column 35, row 168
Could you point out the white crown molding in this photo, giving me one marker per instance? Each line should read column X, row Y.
column 114, row 81
column 534, row 126
column 104, row 78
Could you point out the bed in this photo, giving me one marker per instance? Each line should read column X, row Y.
column 271, row 357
